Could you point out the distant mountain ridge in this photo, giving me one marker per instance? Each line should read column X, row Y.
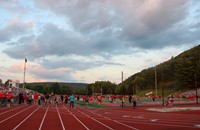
column 73, row 85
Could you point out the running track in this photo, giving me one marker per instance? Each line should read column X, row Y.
column 62, row 117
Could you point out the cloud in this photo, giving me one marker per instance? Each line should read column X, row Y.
column 140, row 22
column 14, row 28
column 70, row 37
column 54, row 41
column 38, row 72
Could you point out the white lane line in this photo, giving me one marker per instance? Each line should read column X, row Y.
column 60, row 118
column 14, row 115
column 26, row 118
column 9, row 110
column 126, row 125
column 77, row 118
column 43, row 119
column 116, row 121
column 96, row 120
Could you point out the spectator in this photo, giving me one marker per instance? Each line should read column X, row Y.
column 134, row 101
column 35, row 97
column 9, row 98
column 122, row 101
column 66, row 99
column 71, row 98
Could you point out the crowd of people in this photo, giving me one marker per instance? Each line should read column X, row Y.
column 12, row 95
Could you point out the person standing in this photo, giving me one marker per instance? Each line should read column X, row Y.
column 130, row 98
column 122, row 100
column 9, row 98
column 35, row 97
column 134, row 102
column 66, row 99
column 71, row 99
column 78, row 98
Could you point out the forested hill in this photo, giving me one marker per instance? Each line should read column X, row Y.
column 73, row 85
column 180, row 72
column 57, row 87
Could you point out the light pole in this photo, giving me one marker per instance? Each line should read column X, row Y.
column 122, row 76
column 156, row 81
column 24, row 73
column 196, row 88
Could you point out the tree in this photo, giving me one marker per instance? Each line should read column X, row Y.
column 1, row 81
column 185, row 72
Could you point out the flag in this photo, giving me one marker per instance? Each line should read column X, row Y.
column 25, row 60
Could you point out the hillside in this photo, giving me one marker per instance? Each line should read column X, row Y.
column 180, row 72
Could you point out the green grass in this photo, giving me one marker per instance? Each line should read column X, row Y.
column 81, row 103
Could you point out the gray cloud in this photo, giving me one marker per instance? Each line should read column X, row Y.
column 14, row 28
column 98, row 28
column 140, row 21
column 60, row 42
column 51, row 75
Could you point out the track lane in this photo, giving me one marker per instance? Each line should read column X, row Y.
column 34, row 121
column 69, row 121
column 148, row 120
column 87, row 121
column 114, row 124
column 52, row 120
column 14, row 120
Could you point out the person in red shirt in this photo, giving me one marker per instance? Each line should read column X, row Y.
column 25, row 98
column 4, row 98
column 1, row 94
column 35, row 96
column 9, row 98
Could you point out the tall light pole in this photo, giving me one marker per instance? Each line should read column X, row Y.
column 24, row 72
column 196, row 88
column 122, row 76
column 156, row 81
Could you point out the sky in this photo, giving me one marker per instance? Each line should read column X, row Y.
column 92, row 40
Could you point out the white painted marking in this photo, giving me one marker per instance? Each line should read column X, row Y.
column 126, row 115
column 43, row 119
column 138, row 117
column 107, row 112
column 96, row 120
column 77, row 118
column 198, row 125
column 126, row 125
column 14, row 115
column 60, row 118
column 9, row 110
column 173, row 109
column 154, row 120
column 25, row 119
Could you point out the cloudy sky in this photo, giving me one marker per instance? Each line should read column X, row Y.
column 92, row 40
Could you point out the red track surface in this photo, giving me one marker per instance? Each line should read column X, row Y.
column 63, row 117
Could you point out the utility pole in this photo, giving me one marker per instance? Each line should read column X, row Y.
column 196, row 88
column 122, row 76
column 163, row 94
column 156, row 81
column 24, row 73
column 92, row 89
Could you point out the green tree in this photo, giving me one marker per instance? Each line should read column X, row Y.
column 185, row 72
